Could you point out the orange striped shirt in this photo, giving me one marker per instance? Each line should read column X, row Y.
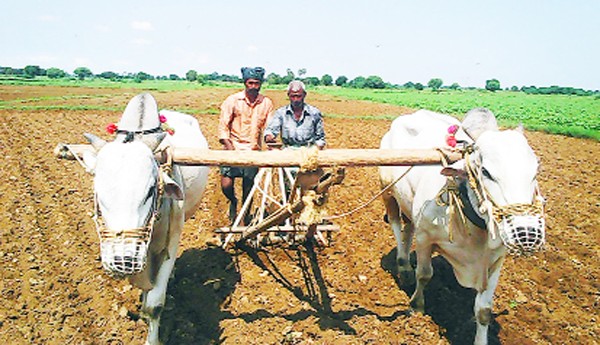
column 243, row 122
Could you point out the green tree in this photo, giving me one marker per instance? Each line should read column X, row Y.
column 341, row 80
column 301, row 72
column 454, row 86
column 143, row 76
column 358, row 82
column 32, row 71
column 419, row 86
column 409, row 85
column 55, row 73
column 374, row 82
column 173, row 77
column 109, row 75
column 312, row 81
column 82, row 72
column 191, row 75
column 492, row 85
column 289, row 77
column 435, row 83
column 326, row 80
column 203, row 79
column 274, row 78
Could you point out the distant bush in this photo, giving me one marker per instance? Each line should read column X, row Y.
column 492, row 85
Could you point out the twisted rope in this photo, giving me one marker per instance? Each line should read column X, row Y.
column 309, row 158
column 487, row 204
column 454, row 203
column 360, row 207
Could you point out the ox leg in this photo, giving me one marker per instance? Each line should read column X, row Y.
column 405, row 270
column 423, row 274
column 154, row 299
column 403, row 230
column 483, row 307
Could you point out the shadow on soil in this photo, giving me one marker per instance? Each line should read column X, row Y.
column 204, row 280
column 449, row 304
column 314, row 291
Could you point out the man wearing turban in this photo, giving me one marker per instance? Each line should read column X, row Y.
column 243, row 118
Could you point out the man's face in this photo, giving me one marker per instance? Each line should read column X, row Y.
column 297, row 97
column 252, row 86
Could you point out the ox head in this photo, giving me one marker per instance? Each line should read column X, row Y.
column 129, row 187
column 500, row 173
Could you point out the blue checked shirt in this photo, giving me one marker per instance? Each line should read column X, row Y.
column 307, row 131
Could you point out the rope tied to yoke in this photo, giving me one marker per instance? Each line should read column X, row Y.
column 139, row 237
column 365, row 204
column 313, row 211
column 443, row 160
column 309, row 158
column 495, row 212
column 454, row 203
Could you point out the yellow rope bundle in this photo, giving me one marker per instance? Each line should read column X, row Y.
column 310, row 160
column 312, row 213
column 454, row 203
column 535, row 209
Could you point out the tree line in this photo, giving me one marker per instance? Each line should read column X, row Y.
column 360, row 82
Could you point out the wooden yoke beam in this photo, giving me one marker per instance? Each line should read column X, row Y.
column 287, row 158
column 325, row 158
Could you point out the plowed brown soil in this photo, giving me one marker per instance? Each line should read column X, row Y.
column 55, row 292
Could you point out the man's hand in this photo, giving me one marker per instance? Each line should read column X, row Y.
column 227, row 144
column 269, row 138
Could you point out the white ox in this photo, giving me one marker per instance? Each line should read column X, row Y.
column 496, row 187
column 140, row 206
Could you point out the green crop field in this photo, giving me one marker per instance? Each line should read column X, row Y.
column 577, row 116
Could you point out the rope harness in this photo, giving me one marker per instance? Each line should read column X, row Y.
column 524, row 237
column 309, row 160
column 313, row 210
column 124, row 252
column 365, row 204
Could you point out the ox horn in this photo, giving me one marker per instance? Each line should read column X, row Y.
column 477, row 121
column 153, row 140
column 97, row 143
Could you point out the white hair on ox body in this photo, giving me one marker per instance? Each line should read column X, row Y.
column 126, row 183
column 509, row 183
column 499, row 172
column 123, row 189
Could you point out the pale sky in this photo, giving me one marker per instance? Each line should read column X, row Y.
column 518, row 42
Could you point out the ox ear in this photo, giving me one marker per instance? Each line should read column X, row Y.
column 89, row 161
column 96, row 142
column 153, row 140
column 455, row 170
column 172, row 189
column 520, row 128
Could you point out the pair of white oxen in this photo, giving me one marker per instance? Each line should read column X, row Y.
column 141, row 204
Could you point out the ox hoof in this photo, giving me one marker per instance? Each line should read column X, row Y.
column 416, row 307
column 406, row 277
column 413, row 311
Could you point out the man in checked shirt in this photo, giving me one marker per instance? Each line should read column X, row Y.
column 299, row 124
